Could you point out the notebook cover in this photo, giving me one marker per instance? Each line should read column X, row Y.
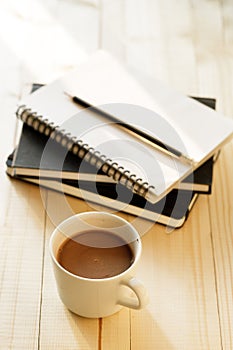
column 172, row 210
column 56, row 162
column 171, row 117
column 57, row 159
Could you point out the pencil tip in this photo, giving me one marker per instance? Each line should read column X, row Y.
column 66, row 93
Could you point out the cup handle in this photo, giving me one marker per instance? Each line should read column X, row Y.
column 140, row 299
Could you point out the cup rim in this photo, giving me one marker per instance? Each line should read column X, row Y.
column 138, row 239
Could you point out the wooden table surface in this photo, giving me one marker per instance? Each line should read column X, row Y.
column 188, row 272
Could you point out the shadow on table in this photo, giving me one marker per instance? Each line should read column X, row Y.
column 143, row 331
column 146, row 333
column 85, row 331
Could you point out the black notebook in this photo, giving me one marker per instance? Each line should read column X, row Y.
column 53, row 161
column 172, row 210
column 63, row 171
column 181, row 124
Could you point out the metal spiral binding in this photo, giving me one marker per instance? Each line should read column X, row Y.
column 83, row 150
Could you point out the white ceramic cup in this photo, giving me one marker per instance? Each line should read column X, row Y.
column 90, row 297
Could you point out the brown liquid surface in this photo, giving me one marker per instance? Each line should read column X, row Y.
column 95, row 254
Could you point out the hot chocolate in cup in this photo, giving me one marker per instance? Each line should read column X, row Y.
column 94, row 257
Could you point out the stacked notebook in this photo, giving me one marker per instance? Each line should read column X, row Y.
column 94, row 153
column 25, row 164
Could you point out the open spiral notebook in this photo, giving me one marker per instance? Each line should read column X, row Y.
column 182, row 123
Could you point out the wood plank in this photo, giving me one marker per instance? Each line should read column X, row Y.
column 178, row 270
column 21, row 301
column 10, row 90
column 215, row 72
column 80, row 22
column 21, row 239
column 50, row 48
column 163, row 46
column 59, row 328
column 221, row 209
column 115, row 330
column 112, row 28
column 8, row 98
column 115, row 333
column 21, row 223
column 210, row 54
column 224, row 247
column 225, row 66
column 160, row 46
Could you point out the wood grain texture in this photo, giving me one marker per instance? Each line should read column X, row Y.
column 21, row 261
column 188, row 272
column 59, row 328
column 221, row 209
column 180, row 278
